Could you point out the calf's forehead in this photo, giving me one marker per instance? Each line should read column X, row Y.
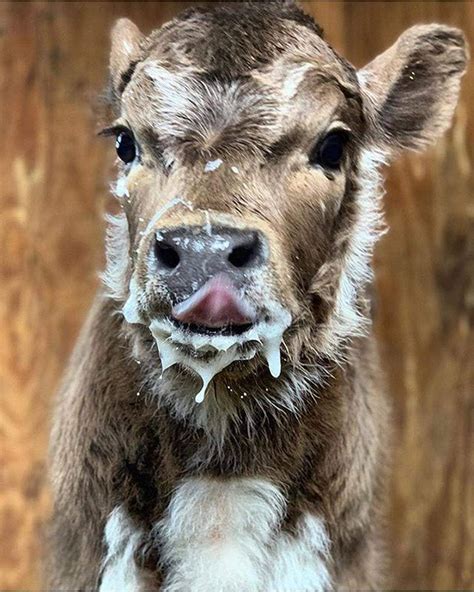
column 188, row 89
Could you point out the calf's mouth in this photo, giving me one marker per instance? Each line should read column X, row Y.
column 227, row 330
column 209, row 350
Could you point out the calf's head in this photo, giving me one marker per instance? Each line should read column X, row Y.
column 248, row 155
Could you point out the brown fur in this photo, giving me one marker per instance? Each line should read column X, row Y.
column 329, row 453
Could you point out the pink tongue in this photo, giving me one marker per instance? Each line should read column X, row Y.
column 217, row 304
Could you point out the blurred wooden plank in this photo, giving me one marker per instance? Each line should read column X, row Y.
column 425, row 286
column 53, row 59
column 50, row 236
column 54, row 182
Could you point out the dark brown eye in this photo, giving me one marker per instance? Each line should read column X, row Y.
column 329, row 153
column 125, row 146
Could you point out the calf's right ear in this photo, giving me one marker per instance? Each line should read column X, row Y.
column 412, row 89
column 126, row 40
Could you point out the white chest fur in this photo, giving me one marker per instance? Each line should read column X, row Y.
column 119, row 568
column 224, row 536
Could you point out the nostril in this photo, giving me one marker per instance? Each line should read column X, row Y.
column 244, row 255
column 166, row 255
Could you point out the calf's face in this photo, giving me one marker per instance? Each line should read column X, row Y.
column 248, row 180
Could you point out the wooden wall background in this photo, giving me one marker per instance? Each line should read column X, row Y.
column 53, row 187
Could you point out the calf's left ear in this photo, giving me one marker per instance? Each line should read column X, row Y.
column 411, row 90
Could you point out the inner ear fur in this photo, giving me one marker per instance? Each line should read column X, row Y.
column 125, row 52
column 412, row 89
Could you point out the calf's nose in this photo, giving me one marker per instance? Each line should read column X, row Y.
column 216, row 260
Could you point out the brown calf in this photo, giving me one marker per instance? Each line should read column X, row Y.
column 222, row 426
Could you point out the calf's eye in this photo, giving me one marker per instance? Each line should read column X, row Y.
column 125, row 146
column 330, row 151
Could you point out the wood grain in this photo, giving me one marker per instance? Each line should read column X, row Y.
column 54, row 175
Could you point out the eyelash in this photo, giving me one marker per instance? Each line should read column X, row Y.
column 114, row 131
column 121, row 132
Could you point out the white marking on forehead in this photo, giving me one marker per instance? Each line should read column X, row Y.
column 213, row 165
column 293, row 80
column 235, row 170
column 157, row 72
column 210, row 108
column 172, row 88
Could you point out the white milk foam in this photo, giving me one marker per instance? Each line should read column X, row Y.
column 224, row 348
column 174, row 344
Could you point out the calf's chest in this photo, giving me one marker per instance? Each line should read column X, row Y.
column 223, row 536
